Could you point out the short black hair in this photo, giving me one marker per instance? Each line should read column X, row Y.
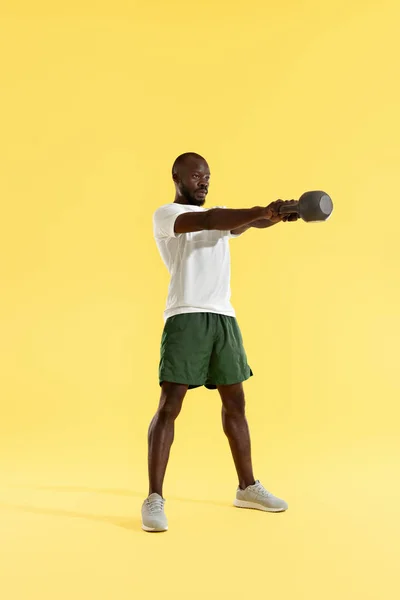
column 182, row 158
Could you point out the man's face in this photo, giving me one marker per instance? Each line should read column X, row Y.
column 193, row 181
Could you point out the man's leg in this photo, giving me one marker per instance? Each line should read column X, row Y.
column 237, row 431
column 161, row 433
column 251, row 494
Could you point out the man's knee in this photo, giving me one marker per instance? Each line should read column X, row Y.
column 172, row 395
column 233, row 399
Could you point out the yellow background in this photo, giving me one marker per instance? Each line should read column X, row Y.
column 97, row 99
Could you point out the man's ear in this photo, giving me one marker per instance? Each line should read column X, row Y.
column 175, row 177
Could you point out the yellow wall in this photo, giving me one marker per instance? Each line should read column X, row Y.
column 96, row 102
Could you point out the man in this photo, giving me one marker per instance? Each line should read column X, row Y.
column 201, row 342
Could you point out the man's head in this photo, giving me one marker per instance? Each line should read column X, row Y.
column 191, row 176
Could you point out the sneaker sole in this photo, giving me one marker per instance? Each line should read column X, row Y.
column 254, row 506
column 153, row 529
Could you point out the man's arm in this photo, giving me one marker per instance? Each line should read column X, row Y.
column 263, row 223
column 259, row 224
column 222, row 219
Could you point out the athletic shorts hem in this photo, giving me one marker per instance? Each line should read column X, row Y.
column 206, row 384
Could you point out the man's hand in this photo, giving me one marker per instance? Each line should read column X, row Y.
column 273, row 215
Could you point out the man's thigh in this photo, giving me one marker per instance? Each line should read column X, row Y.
column 186, row 348
column 228, row 364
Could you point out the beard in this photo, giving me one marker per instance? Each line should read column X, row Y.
column 191, row 198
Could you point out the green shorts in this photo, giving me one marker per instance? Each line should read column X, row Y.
column 203, row 349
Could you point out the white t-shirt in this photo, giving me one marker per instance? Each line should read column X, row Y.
column 198, row 262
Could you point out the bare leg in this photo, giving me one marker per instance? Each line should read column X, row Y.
column 237, row 431
column 161, row 433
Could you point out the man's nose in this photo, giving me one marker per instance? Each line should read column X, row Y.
column 203, row 183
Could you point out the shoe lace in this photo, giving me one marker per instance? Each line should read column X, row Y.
column 155, row 505
column 262, row 491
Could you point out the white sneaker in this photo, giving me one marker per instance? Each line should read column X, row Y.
column 256, row 496
column 153, row 515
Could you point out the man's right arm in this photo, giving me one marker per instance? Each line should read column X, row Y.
column 221, row 219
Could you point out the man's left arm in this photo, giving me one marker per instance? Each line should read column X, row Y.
column 263, row 223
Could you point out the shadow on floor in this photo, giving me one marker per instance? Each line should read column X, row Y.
column 125, row 523
column 114, row 492
column 131, row 524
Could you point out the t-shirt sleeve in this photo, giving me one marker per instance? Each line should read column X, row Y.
column 164, row 220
